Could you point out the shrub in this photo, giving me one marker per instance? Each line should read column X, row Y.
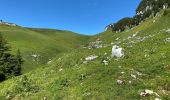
column 64, row 83
column 59, row 85
column 166, row 12
column 25, row 86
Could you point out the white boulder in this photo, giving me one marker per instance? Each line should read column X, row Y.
column 117, row 51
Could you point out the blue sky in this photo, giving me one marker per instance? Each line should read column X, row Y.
column 81, row 16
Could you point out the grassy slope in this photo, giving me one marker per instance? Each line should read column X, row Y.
column 100, row 80
column 36, row 41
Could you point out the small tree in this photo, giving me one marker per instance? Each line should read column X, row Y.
column 19, row 62
column 3, row 45
column 3, row 49
column 10, row 65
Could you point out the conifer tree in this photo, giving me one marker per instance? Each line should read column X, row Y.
column 10, row 65
column 19, row 62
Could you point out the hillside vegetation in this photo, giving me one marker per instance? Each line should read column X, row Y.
column 39, row 46
column 91, row 73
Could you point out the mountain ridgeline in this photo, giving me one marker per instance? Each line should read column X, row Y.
column 145, row 9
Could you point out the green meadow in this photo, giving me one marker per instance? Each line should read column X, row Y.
column 56, row 65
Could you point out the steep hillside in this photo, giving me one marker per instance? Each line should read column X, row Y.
column 146, row 9
column 141, row 73
column 39, row 46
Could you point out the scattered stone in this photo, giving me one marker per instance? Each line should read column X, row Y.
column 90, row 58
column 143, row 94
column 112, row 43
column 167, row 30
column 35, row 57
column 146, row 55
column 154, row 21
column 157, row 98
column 117, row 39
column 82, row 76
column 60, row 69
column 157, row 94
column 49, row 61
column 59, row 58
column 87, row 94
column 135, row 34
column 130, row 82
column 96, row 44
column 81, row 84
column 44, row 98
column 165, row 92
column 138, row 73
column 108, row 58
column 105, row 62
column 167, row 40
column 117, row 51
column 134, row 76
column 84, row 62
column 147, row 92
column 129, row 37
column 120, row 82
column 8, row 97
